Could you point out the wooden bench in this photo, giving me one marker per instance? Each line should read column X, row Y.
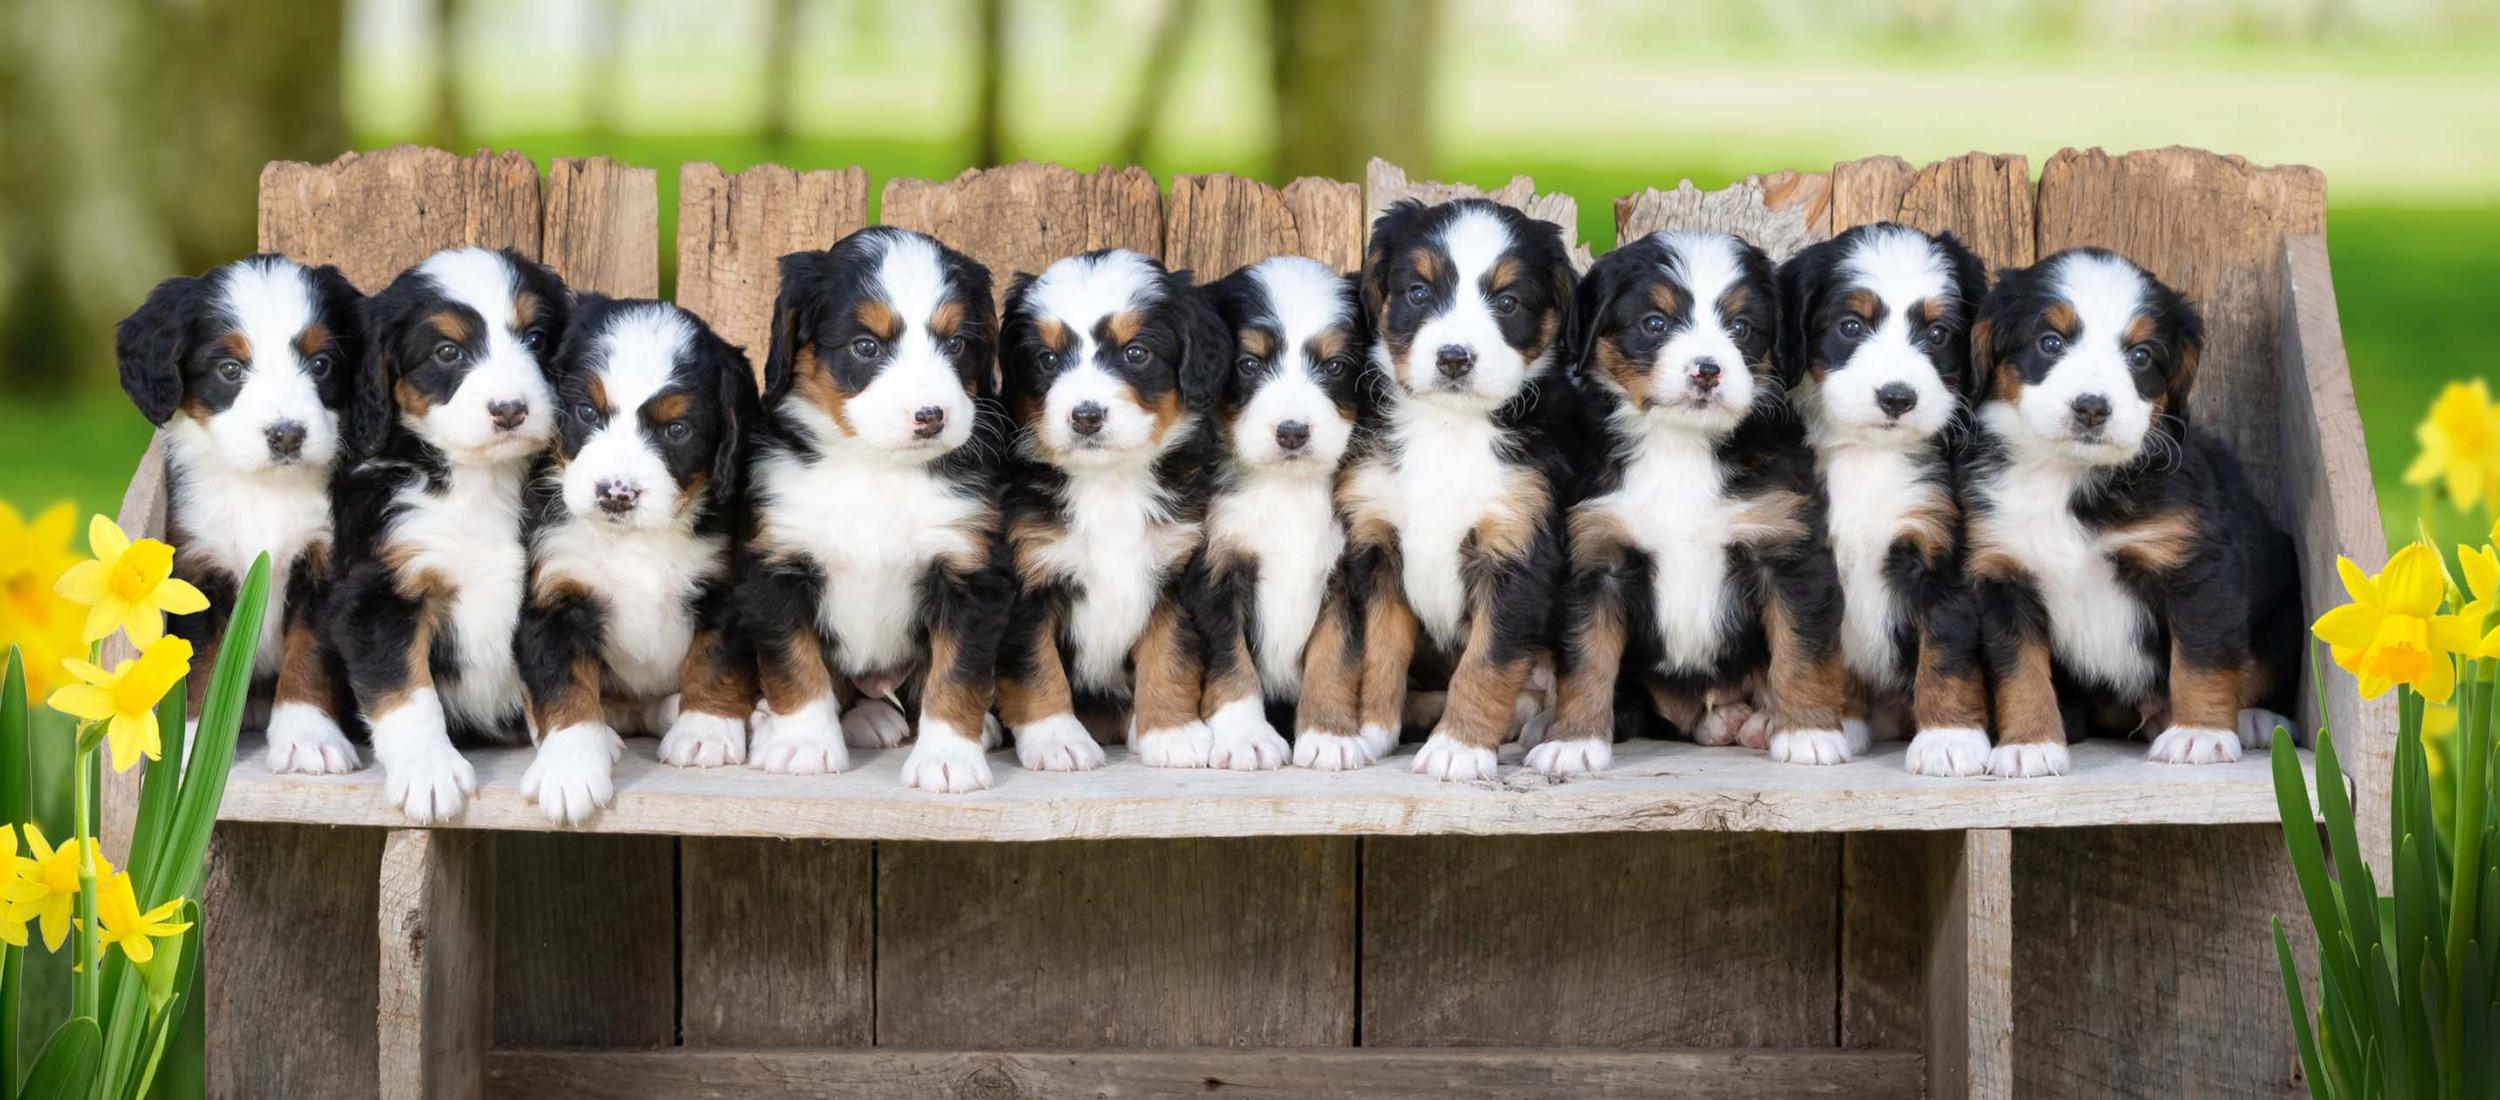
column 1698, row 922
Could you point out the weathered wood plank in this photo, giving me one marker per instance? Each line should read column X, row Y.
column 732, row 231
column 1020, row 217
column 142, row 515
column 292, row 950
column 1968, row 965
column 602, row 226
column 1385, row 184
column 777, row 943
column 374, row 214
column 1218, row 223
column 1983, row 199
column 585, row 939
column 1613, row 941
column 1170, row 943
column 1883, row 905
column 437, row 938
column 1100, row 1075
column 1780, row 213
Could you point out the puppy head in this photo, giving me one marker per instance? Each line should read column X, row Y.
column 1680, row 326
column 252, row 361
column 1469, row 299
column 1878, row 333
column 1110, row 359
column 652, row 410
column 884, row 340
column 2085, row 356
column 458, row 353
column 1292, row 391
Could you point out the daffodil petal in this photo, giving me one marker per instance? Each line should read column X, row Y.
column 177, row 597
column 2441, row 680
column 2349, row 626
column 2413, row 581
column 83, row 584
column 82, row 701
column 2453, row 634
column 100, row 622
column 2356, row 583
column 105, row 539
column 123, row 735
column 2482, row 573
column 143, row 625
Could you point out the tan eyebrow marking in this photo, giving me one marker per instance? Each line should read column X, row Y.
column 452, row 325
column 2061, row 317
column 878, row 319
column 309, row 342
column 525, row 307
column 672, row 406
column 237, row 345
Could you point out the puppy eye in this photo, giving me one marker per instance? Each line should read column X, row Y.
column 320, row 366
column 587, row 413
column 955, row 345
column 447, row 353
column 1247, row 363
column 1134, row 355
column 1046, row 359
column 533, row 339
column 1655, row 324
column 1740, row 328
column 1506, row 305
column 2052, row 343
column 1852, row 328
column 676, row 431
column 865, row 347
column 230, row 370
column 2140, row 356
column 1418, row 294
column 1336, row 366
column 1934, row 336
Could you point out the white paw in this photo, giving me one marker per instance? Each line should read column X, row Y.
column 1242, row 740
column 2026, row 761
column 1532, row 732
column 304, row 741
column 421, row 773
column 697, row 740
column 874, row 724
column 1860, row 736
column 1580, row 754
column 1183, row 746
column 574, row 772
column 1058, row 743
column 2195, row 745
column 945, row 761
column 1380, row 740
column 1448, row 759
column 2257, row 726
column 1331, row 752
column 1948, row 752
column 807, row 742
column 1810, row 747
column 993, row 731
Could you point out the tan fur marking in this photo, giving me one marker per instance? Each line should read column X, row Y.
column 309, row 342
column 1945, row 701
column 1388, row 648
column 2026, row 702
column 795, row 674
column 1169, row 677
column 525, row 306
column 1597, row 536
column 2061, row 317
column 1585, row 709
column 1240, row 681
column 672, row 406
column 1863, row 304
column 1121, row 328
column 1167, row 409
column 451, row 325
column 1772, row 518
column 1518, row 514
column 709, row 685
column 1484, row 693
column 877, row 319
column 2207, row 698
column 1024, row 700
column 947, row 694
column 1332, row 675
column 576, row 703
column 1428, row 263
column 946, row 319
column 1929, row 523
column 303, row 676
column 811, row 382
column 1257, row 343
column 1813, row 690
column 2157, row 544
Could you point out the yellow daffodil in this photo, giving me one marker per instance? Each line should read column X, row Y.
column 45, row 888
column 2393, row 632
column 128, row 585
column 12, row 926
column 43, row 626
column 125, row 699
column 2460, row 445
column 119, row 920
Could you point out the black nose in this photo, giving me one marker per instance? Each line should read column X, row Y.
column 1454, row 361
column 1293, row 435
column 1896, row 398
column 508, row 414
column 1705, row 373
column 1086, row 418
column 927, row 421
column 286, row 439
column 2091, row 410
column 617, row 497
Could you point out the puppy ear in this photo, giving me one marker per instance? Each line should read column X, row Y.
column 980, row 320
column 2191, row 349
column 1801, row 283
column 1388, row 232
column 1588, row 310
column 148, row 344
column 1989, row 334
column 372, row 407
column 740, row 410
column 1015, row 354
column 793, row 325
column 1567, row 355
column 1970, row 285
column 1206, row 345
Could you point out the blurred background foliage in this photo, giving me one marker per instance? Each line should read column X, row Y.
column 132, row 131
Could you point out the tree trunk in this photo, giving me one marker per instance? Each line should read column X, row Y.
column 450, row 124
column 989, row 102
column 781, row 66
column 1154, row 89
column 1351, row 79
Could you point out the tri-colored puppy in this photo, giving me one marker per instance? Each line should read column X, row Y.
column 2129, row 578
column 627, row 627
column 1878, row 323
column 1453, row 501
column 452, row 414
column 1274, row 543
column 246, row 370
column 878, row 549
column 1696, row 553
column 1112, row 366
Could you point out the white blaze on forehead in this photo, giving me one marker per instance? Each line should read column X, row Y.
column 474, row 277
column 2106, row 293
column 1080, row 291
column 1706, row 264
column 912, row 278
column 1303, row 296
column 638, row 353
column 1475, row 241
column 271, row 303
column 1900, row 266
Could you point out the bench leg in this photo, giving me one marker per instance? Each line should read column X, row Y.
column 1968, row 967
column 436, row 1016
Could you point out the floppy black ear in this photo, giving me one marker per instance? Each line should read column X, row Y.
column 740, row 410
column 1970, row 284
column 372, row 409
column 1993, row 332
column 1566, row 291
column 2191, row 350
column 1389, row 233
column 793, row 322
column 148, row 344
column 1801, row 283
column 1588, row 308
column 981, row 319
column 1015, row 354
column 1206, row 344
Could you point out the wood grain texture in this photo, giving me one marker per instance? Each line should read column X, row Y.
column 437, row 945
column 1386, row 184
column 984, row 1074
column 142, row 515
column 777, row 943
column 1610, row 941
column 2327, row 488
column 1780, row 213
column 2144, row 962
column 2212, row 227
column 1020, row 217
column 374, row 214
column 1883, row 905
column 1968, row 965
column 291, row 950
column 1127, row 944
column 585, row 940
column 603, row 226
column 733, row 229
column 1218, row 223
column 1983, row 199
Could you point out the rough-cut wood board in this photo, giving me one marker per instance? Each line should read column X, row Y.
column 1217, row 223
column 602, row 230
column 1385, row 184
column 1119, row 943
column 2326, row 484
column 1020, row 217
column 374, row 214
column 1780, row 213
column 1968, row 965
column 1654, row 787
column 1981, row 198
column 2144, row 962
column 1609, row 941
column 1883, row 935
column 437, row 935
column 1113, row 1075
column 732, row 231
column 776, row 943
column 142, row 515
column 2213, row 227
column 291, row 957
column 585, row 940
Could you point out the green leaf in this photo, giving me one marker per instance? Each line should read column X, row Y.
column 14, row 766
column 66, row 1068
column 2300, row 837
column 180, row 862
column 159, row 781
column 182, row 1070
column 2319, row 1089
column 162, row 1027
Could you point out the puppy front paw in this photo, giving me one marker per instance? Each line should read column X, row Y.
column 945, row 761
column 573, row 772
column 1188, row 745
column 1948, row 752
column 305, row 741
column 2257, row 728
column 2195, row 745
column 1572, row 756
column 874, row 724
column 807, row 742
column 697, row 740
column 993, row 731
column 1331, row 752
column 2027, row 761
column 421, row 773
column 1242, row 740
column 1451, row 760
column 1818, row 746
column 1058, row 743
column 1859, row 734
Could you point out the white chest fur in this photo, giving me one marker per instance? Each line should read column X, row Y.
column 1873, row 493
column 648, row 578
column 1673, row 505
column 471, row 534
column 892, row 522
column 1447, row 479
column 229, row 519
column 1293, row 523
column 1119, row 544
column 2096, row 626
